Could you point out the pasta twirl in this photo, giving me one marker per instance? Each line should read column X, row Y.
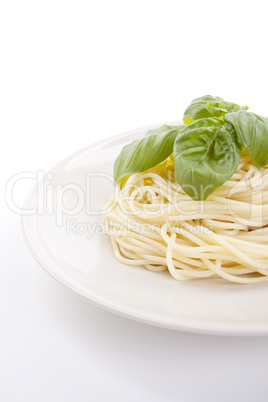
column 154, row 223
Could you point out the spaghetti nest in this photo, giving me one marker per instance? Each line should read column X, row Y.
column 152, row 222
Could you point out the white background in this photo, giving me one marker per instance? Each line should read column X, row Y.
column 71, row 73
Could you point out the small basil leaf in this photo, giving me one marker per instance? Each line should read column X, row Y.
column 146, row 152
column 233, row 107
column 198, row 108
column 216, row 108
column 209, row 106
column 252, row 133
column 206, row 154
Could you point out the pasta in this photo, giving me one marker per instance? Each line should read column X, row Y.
column 152, row 222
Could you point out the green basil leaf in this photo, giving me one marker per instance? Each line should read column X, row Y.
column 198, row 108
column 209, row 106
column 218, row 109
column 206, row 154
column 233, row 107
column 146, row 152
column 252, row 133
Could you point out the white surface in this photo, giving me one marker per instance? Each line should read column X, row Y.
column 65, row 65
column 70, row 244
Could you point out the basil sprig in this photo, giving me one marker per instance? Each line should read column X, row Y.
column 209, row 106
column 146, row 152
column 206, row 154
column 206, row 150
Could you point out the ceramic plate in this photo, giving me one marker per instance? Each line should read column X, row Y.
column 62, row 227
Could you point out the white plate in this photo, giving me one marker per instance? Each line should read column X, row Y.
column 88, row 266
